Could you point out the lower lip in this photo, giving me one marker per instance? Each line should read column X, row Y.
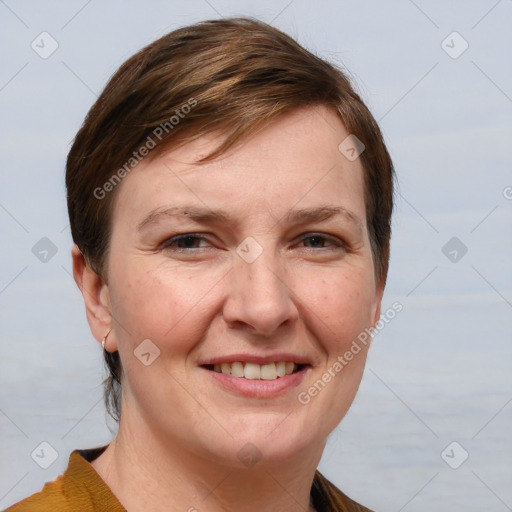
column 259, row 388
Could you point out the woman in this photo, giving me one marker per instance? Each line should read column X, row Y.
column 230, row 199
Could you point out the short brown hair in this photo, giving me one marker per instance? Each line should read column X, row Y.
column 230, row 75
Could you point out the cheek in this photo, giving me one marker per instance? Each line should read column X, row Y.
column 160, row 303
column 341, row 309
column 340, row 306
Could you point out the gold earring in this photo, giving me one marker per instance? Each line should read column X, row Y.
column 104, row 340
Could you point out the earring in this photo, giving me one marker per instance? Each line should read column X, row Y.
column 104, row 340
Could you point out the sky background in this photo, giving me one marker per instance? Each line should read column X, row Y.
column 438, row 374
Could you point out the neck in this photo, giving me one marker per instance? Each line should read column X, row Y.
column 165, row 475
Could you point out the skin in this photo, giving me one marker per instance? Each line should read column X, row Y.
column 180, row 431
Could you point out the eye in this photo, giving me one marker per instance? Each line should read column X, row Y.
column 184, row 242
column 319, row 241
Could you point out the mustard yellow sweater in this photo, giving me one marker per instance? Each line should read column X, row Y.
column 80, row 489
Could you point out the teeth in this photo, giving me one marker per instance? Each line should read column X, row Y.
column 281, row 369
column 253, row 371
column 268, row 371
column 237, row 370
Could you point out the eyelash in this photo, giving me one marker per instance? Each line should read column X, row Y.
column 170, row 242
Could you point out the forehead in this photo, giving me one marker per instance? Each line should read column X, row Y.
column 294, row 161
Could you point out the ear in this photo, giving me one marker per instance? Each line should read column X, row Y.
column 379, row 292
column 96, row 297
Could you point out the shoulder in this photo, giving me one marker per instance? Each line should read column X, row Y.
column 79, row 488
column 51, row 497
column 326, row 497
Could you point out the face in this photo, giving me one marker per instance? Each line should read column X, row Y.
column 259, row 257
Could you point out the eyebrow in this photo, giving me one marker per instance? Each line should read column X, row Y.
column 321, row 213
column 202, row 215
column 207, row 216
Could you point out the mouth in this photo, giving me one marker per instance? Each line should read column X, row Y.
column 253, row 371
column 253, row 380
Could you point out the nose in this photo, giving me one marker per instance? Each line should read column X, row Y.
column 260, row 298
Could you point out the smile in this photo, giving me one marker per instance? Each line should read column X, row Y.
column 257, row 381
column 254, row 371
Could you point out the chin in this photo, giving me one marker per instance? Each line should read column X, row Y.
column 271, row 442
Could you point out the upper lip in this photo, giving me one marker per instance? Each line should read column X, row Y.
column 253, row 358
